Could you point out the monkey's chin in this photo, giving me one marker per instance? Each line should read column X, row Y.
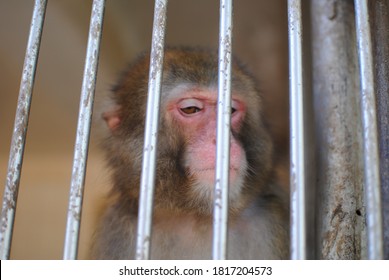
column 207, row 176
column 204, row 184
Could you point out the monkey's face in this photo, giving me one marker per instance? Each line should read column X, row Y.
column 193, row 110
column 187, row 138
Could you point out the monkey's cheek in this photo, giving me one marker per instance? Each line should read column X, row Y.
column 234, row 176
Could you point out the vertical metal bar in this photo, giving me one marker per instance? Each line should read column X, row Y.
column 380, row 22
column 340, row 221
column 223, row 132
column 20, row 129
column 151, row 132
column 83, row 131
column 297, row 141
column 370, row 137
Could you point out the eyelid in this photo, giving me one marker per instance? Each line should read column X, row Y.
column 191, row 102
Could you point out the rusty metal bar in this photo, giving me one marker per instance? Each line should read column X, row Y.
column 380, row 36
column 220, row 215
column 340, row 216
column 297, row 141
column 20, row 129
column 83, row 131
column 370, row 133
column 151, row 132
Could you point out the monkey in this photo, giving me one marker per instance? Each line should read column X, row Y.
column 185, row 173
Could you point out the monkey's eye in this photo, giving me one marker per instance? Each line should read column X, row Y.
column 190, row 110
column 190, row 106
column 234, row 106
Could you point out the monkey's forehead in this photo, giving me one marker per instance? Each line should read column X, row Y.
column 187, row 90
column 203, row 74
column 183, row 69
column 178, row 90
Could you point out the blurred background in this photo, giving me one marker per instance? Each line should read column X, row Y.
column 259, row 40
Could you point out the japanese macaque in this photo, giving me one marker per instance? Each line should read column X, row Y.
column 183, row 199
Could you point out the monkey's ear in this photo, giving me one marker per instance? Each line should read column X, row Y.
column 112, row 118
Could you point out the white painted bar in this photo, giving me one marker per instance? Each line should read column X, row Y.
column 83, row 131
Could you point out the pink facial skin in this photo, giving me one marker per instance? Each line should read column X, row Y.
column 195, row 112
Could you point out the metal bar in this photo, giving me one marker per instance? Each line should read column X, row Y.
column 83, row 131
column 340, row 219
column 151, row 132
column 370, row 137
column 380, row 36
column 220, row 215
column 297, row 141
column 20, row 129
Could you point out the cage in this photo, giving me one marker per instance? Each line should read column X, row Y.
column 338, row 54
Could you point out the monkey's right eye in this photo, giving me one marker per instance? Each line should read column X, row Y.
column 190, row 106
column 190, row 110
